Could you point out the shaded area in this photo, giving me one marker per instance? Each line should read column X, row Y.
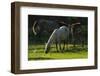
column 46, row 24
column 39, row 58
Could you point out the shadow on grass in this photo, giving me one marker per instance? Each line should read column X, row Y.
column 70, row 50
column 35, row 48
column 75, row 49
column 39, row 58
column 40, row 49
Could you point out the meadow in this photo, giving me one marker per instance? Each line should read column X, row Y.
column 36, row 52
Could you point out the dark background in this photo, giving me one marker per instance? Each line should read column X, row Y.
column 42, row 38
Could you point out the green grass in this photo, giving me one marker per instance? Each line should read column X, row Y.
column 36, row 52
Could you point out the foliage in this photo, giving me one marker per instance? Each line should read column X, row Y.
column 43, row 35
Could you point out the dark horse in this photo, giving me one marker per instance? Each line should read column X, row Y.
column 78, row 35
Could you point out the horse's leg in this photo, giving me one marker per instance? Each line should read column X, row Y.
column 73, row 39
column 67, row 45
column 63, row 46
column 81, row 42
column 57, row 46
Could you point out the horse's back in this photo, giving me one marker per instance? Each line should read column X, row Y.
column 62, row 33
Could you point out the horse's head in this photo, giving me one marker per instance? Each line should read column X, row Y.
column 47, row 48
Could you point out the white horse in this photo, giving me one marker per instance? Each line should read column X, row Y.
column 58, row 36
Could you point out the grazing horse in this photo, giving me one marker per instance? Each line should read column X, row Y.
column 77, row 33
column 58, row 36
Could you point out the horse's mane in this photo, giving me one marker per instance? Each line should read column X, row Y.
column 51, row 37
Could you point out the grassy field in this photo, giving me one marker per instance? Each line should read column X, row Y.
column 36, row 52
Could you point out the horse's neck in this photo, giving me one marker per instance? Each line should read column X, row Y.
column 52, row 38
